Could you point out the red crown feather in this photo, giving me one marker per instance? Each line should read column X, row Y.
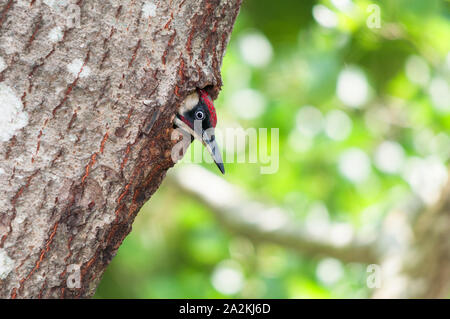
column 212, row 111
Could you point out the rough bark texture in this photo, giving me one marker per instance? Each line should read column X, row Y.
column 94, row 92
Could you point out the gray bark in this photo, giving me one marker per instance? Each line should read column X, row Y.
column 88, row 93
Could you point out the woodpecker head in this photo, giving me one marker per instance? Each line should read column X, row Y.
column 197, row 116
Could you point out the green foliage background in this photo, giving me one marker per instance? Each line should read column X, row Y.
column 177, row 246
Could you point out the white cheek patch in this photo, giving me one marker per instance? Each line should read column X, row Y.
column 189, row 103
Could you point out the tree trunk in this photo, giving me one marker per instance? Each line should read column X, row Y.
column 88, row 93
column 413, row 266
column 422, row 270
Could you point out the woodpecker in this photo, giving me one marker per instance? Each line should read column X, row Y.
column 197, row 117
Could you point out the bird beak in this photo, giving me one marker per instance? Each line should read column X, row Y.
column 207, row 140
column 213, row 149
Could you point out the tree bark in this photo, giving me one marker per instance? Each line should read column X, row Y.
column 88, row 93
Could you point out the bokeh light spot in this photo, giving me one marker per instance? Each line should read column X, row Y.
column 440, row 94
column 324, row 16
column 338, row 125
column 417, row 70
column 248, row 103
column 389, row 157
column 427, row 177
column 309, row 121
column 227, row 277
column 352, row 87
column 329, row 271
column 354, row 164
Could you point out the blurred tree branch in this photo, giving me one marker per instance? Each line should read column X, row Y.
column 261, row 222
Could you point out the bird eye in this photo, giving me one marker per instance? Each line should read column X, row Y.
column 199, row 115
